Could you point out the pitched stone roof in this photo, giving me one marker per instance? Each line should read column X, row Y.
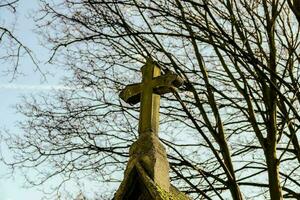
column 147, row 174
column 80, row 196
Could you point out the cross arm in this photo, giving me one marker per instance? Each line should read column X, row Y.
column 131, row 93
column 164, row 84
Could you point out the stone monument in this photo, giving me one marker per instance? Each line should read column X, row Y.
column 147, row 173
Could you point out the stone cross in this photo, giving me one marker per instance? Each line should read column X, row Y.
column 148, row 93
column 147, row 171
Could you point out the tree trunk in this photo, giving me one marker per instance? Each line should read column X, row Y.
column 273, row 174
column 233, row 186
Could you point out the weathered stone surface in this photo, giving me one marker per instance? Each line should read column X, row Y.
column 151, row 154
column 147, row 173
column 137, row 185
column 80, row 196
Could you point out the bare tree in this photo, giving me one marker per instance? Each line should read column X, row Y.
column 231, row 132
column 12, row 48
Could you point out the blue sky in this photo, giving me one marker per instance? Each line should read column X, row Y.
column 12, row 91
column 31, row 82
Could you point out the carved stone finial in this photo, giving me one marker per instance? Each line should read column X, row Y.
column 147, row 171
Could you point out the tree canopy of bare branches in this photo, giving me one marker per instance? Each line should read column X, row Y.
column 12, row 48
column 231, row 132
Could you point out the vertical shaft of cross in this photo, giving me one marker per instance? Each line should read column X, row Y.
column 150, row 102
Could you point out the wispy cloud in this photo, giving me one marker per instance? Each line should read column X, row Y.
column 34, row 87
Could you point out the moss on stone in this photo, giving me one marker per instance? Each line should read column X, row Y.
column 156, row 191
